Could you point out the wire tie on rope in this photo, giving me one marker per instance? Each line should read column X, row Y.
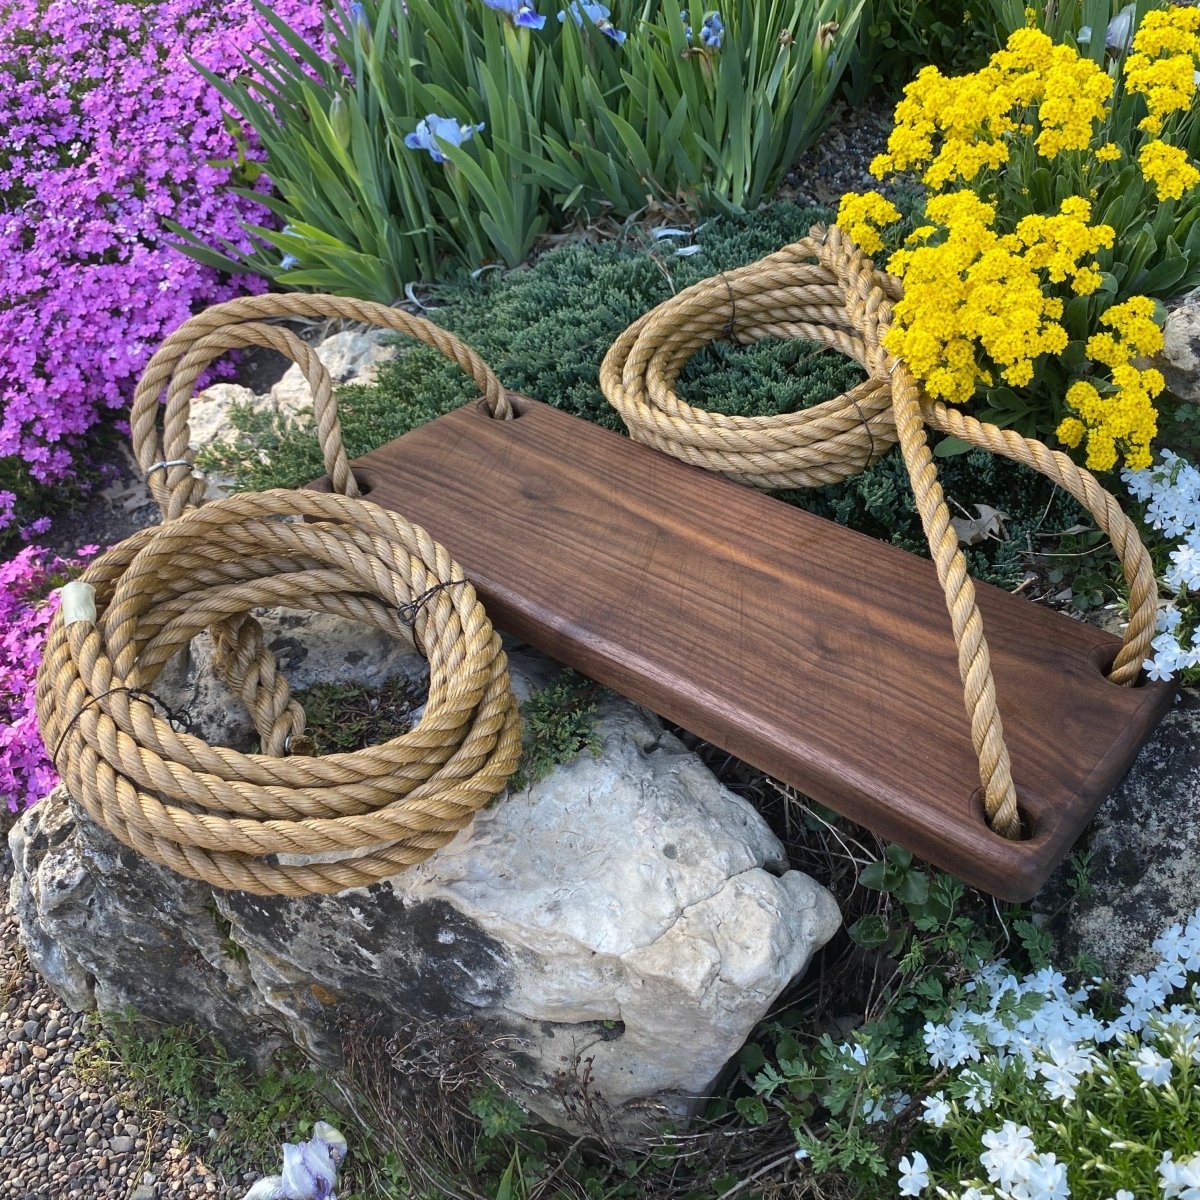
column 168, row 462
column 412, row 610
column 180, row 720
column 870, row 434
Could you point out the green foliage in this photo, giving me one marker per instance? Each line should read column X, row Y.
column 185, row 1072
column 574, row 125
column 557, row 723
column 850, row 1102
column 344, row 717
column 896, row 38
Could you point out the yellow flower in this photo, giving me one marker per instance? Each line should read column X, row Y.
column 1070, row 431
column 861, row 216
column 1109, row 152
column 1167, row 169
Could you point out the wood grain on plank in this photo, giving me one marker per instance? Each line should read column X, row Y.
column 815, row 653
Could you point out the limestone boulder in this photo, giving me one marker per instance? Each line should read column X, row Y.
column 625, row 922
column 210, row 419
column 351, row 356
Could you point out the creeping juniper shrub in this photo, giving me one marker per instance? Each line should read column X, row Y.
column 546, row 329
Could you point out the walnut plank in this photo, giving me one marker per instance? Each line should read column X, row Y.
column 819, row 655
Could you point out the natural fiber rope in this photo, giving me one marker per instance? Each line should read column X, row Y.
column 212, row 813
column 824, row 289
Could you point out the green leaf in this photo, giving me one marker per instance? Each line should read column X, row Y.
column 869, row 931
column 913, row 889
column 874, row 876
column 751, row 1058
column 950, row 446
column 752, row 1110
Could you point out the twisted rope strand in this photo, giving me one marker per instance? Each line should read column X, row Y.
column 215, row 814
column 824, row 289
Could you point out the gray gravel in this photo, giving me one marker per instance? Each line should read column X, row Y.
column 66, row 1135
column 839, row 161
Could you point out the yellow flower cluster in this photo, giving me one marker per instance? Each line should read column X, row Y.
column 1162, row 64
column 952, row 129
column 1056, row 244
column 975, row 292
column 1167, row 169
column 1123, row 416
column 861, row 217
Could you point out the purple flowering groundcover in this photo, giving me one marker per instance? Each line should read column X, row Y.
column 109, row 130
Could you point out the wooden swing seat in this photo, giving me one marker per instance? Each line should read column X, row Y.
column 818, row 655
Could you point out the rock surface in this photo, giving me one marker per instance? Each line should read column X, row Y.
column 1179, row 360
column 616, row 930
column 351, row 356
column 1145, row 843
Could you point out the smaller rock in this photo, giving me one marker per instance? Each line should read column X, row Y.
column 1179, row 360
column 1145, row 854
column 121, row 1145
column 210, row 420
column 144, row 1191
column 352, row 356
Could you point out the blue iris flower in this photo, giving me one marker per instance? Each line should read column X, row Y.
column 598, row 15
column 433, row 128
column 358, row 16
column 712, row 32
column 687, row 29
column 520, row 12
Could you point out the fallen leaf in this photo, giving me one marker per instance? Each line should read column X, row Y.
column 970, row 531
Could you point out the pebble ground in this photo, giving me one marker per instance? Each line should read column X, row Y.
column 69, row 1131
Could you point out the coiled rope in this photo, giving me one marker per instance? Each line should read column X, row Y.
column 824, row 289
column 218, row 815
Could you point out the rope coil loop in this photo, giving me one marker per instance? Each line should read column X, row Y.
column 215, row 814
column 825, row 290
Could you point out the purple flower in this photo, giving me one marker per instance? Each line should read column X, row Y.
column 598, row 15
column 519, row 12
column 109, row 131
column 434, row 129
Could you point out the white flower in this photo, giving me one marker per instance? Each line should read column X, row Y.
column 979, row 1094
column 1181, row 1179
column 936, row 1110
column 1124, row 1194
column 1008, row 1150
column 1153, row 1068
column 308, row 1171
column 1046, row 1178
column 270, row 1188
column 857, row 1053
column 1145, row 993
column 1170, row 975
column 914, row 1174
